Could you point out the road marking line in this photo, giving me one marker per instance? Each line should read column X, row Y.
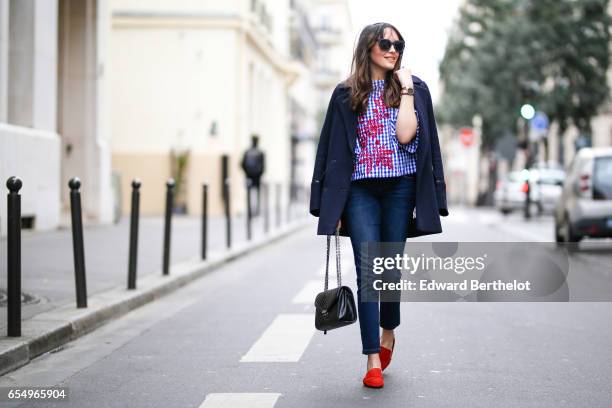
column 309, row 292
column 285, row 340
column 240, row 400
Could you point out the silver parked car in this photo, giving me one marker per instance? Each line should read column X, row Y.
column 585, row 206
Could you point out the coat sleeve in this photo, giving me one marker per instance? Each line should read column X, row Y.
column 316, row 184
column 436, row 158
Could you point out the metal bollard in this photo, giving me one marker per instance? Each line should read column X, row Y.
column 134, row 218
column 77, row 242
column 249, row 215
column 278, row 204
column 167, row 225
column 13, row 244
column 266, row 204
column 289, row 202
column 228, row 215
column 204, row 220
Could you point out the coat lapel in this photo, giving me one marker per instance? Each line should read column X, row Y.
column 349, row 118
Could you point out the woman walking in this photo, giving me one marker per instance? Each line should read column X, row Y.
column 378, row 173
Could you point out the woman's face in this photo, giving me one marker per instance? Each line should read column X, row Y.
column 385, row 60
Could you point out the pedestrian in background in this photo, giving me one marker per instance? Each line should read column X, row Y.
column 253, row 164
column 378, row 174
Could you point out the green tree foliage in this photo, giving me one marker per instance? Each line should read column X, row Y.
column 503, row 53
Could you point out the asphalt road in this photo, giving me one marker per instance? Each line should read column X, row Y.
column 244, row 336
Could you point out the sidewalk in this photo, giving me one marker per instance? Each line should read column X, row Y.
column 49, row 314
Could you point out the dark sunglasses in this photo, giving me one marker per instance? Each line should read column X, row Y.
column 385, row 45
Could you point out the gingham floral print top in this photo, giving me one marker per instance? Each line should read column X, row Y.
column 378, row 153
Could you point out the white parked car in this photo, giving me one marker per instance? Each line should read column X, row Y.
column 545, row 185
column 509, row 193
column 549, row 185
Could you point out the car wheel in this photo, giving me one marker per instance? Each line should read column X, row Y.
column 570, row 238
column 558, row 236
column 505, row 211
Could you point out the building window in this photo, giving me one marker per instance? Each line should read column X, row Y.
column 325, row 24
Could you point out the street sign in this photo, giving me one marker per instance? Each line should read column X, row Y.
column 538, row 126
column 466, row 135
column 539, row 121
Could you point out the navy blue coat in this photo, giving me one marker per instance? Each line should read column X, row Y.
column 331, row 179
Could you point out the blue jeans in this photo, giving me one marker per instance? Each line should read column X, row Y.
column 377, row 210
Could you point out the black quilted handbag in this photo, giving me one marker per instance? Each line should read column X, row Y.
column 334, row 307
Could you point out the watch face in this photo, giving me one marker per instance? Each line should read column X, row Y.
column 410, row 91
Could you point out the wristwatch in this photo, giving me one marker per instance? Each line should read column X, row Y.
column 407, row 91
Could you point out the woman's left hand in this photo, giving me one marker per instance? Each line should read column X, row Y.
column 404, row 75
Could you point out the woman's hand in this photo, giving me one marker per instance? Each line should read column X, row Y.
column 404, row 75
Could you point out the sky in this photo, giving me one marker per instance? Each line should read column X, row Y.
column 424, row 26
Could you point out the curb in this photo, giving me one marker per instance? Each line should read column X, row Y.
column 54, row 328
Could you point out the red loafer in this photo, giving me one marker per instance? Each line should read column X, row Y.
column 385, row 355
column 374, row 378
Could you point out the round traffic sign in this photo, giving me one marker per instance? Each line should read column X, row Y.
column 466, row 135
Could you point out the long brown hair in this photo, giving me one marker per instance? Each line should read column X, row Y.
column 359, row 80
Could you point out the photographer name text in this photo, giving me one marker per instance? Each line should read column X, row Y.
column 467, row 284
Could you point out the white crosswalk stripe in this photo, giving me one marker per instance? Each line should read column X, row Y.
column 240, row 400
column 308, row 292
column 285, row 340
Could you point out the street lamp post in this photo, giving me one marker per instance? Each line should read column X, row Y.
column 527, row 113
